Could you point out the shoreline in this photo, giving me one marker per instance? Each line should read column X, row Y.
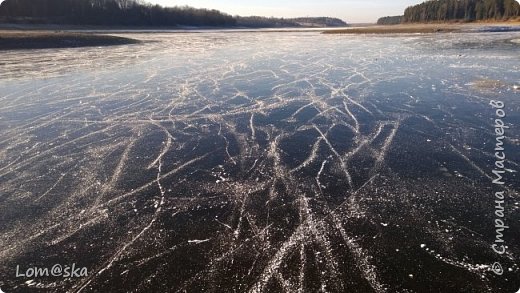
column 48, row 37
column 426, row 28
column 43, row 39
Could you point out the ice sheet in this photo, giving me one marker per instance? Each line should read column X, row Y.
column 259, row 162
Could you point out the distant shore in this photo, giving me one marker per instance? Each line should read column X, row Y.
column 422, row 28
column 22, row 39
column 45, row 37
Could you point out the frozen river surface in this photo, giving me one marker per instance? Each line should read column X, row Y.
column 260, row 162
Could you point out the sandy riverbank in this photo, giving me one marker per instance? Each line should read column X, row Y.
column 421, row 28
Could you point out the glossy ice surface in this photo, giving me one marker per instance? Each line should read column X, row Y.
column 260, row 162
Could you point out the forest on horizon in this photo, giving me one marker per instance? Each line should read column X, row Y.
column 456, row 10
column 138, row 13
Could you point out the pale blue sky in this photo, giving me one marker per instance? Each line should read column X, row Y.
column 348, row 10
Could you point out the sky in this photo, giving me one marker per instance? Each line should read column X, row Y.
column 351, row 11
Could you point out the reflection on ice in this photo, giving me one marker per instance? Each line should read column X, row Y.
column 258, row 162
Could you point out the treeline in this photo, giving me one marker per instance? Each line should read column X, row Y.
column 390, row 20
column 138, row 13
column 462, row 10
column 108, row 12
column 264, row 22
column 320, row 21
column 272, row 22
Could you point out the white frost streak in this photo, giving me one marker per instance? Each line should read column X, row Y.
column 343, row 163
column 117, row 255
column 363, row 262
column 274, row 264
